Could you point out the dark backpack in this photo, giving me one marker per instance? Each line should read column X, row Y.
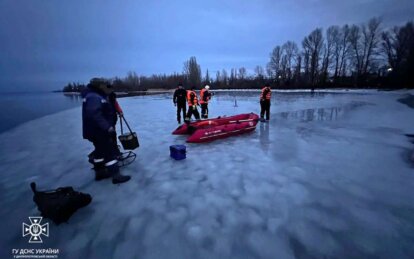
column 59, row 205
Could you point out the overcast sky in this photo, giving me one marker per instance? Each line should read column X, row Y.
column 47, row 43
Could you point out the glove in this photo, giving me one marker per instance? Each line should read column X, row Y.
column 175, row 104
column 194, row 107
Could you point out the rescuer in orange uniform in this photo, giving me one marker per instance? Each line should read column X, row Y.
column 265, row 97
column 205, row 96
column 192, row 105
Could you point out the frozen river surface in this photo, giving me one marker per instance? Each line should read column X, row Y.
column 328, row 177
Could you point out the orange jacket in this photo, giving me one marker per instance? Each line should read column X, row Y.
column 204, row 96
column 192, row 98
column 266, row 94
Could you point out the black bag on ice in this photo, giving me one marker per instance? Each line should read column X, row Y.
column 59, row 205
column 129, row 140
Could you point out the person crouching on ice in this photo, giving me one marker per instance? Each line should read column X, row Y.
column 192, row 105
column 265, row 97
column 205, row 96
column 98, row 121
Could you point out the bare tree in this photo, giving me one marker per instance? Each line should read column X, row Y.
column 357, row 49
column 364, row 42
column 312, row 45
column 259, row 71
column 132, row 80
column 207, row 78
column 232, row 78
column 269, row 71
column 192, row 71
column 332, row 34
column 224, row 77
column 242, row 73
column 283, row 68
column 396, row 45
column 298, row 68
column 371, row 37
column 274, row 63
column 306, row 59
column 218, row 77
column 290, row 51
column 340, row 49
column 389, row 46
column 344, row 49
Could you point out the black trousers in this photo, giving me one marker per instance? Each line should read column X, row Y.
column 192, row 111
column 106, row 149
column 204, row 110
column 181, row 108
column 265, row 109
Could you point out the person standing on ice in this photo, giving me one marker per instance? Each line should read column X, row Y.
column 112, row 100
column 265, row 97
column 180, row 99
column 192, row 105
column 98, row 122
column 205, row 96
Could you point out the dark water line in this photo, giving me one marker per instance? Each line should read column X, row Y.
column 18, row 108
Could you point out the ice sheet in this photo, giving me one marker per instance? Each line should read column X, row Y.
column 329, row 176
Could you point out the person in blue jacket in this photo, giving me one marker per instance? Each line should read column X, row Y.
column 98, row 121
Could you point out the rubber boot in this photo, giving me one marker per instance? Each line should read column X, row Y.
column 91, row 157
column 117, row 177
column 101, row 171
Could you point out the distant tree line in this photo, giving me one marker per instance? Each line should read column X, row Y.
column 348, row 56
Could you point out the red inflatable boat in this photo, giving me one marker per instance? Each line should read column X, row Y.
column 221, row 127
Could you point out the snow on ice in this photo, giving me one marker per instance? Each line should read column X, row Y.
column 329, row 176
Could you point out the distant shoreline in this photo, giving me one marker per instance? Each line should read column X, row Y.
column 319, row 90
column 129, row 94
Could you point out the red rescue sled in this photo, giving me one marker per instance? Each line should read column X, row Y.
column 217, row 128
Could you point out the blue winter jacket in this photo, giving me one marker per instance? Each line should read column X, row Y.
column 98, row 115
